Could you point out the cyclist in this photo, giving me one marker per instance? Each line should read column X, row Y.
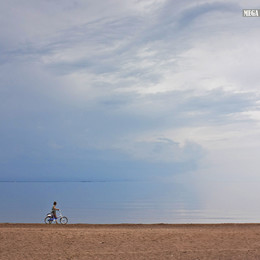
column 54, row 209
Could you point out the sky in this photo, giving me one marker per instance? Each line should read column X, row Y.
column 129, row 90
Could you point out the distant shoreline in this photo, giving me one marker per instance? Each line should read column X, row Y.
column 54, row 181
column 76, row 181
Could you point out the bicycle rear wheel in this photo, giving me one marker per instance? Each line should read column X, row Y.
column 48, row 220
column 63, row 220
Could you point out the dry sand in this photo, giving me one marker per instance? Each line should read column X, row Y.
column 159, row 241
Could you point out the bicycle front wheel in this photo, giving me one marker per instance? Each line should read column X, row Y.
column 63, row 220
column 48, row 220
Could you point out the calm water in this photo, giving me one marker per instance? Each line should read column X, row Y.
column 131, row 202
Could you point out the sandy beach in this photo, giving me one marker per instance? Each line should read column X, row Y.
column 129, row 241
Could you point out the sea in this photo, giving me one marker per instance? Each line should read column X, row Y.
column 123, row 201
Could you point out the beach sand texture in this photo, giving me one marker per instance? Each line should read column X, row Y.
column 129, row 241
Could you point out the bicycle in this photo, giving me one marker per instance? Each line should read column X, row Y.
column 49, row 219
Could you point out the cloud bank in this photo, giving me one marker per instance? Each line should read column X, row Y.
column 125, row 89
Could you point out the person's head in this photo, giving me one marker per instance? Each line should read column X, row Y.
column 54, row 203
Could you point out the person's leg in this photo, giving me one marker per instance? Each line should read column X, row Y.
column 55, row 218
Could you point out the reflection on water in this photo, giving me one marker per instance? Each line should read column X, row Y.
column 125, row 202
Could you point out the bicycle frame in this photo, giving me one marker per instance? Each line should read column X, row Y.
column 50, row 218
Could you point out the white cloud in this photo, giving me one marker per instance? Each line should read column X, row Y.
column 121, row 74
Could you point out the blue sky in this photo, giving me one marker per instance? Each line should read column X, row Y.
column 130, row 89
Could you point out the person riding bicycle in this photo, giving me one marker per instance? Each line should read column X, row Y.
column 54, row 209
column 52, row 218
